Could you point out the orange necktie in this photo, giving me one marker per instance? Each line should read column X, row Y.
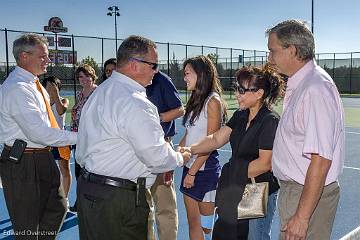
column 63, row 151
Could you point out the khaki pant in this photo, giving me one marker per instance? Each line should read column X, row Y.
column 322, row 220
column 166, row 215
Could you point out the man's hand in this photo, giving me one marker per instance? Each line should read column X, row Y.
column 183, row 149
column 168, row 178
column 53, row 90
column 186, row 156
column 296, row 228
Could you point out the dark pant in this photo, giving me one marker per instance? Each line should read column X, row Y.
column 222, row 229
column 34, row 198
column 107, row 212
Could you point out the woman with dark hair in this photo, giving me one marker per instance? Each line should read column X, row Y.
column 59, row 105
column 251, row 132
column 205, row 112
column 86, row 76
column 109, row 67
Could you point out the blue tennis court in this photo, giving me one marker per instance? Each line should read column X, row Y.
column 347, row 217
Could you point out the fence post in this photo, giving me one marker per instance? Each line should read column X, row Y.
column 231, row 69
column 254, row 58
column 74, row 64
column 333, row 71
column 202, row 50
column 7, row 53
column 243, row 59
column 217, row 56
column 351, row 59
column 102, row 55
column 186, row 56
column 168, row 59
column 266, row 57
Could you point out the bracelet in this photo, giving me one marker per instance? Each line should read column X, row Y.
column 191, row 174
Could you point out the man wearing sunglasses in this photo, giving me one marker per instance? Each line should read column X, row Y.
column 121, row 148
column 309, row 145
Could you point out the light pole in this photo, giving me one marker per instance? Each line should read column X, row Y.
column 114, row 10
column 312, row 16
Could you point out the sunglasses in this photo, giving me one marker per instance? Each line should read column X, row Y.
column 154, row 66
column 241, row 90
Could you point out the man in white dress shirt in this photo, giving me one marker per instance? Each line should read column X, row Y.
column 121, row 143
column 32, row 191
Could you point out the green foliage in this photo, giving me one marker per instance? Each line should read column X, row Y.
column 176, row 73
column 91, row 61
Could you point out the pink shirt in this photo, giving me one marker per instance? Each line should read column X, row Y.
column 312, row 122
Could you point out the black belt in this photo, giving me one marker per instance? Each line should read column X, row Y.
column 31, row 150
column 103, row 180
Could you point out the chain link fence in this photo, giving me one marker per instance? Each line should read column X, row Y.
column 68, row 51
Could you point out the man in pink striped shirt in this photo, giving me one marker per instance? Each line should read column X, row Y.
column 309, row 145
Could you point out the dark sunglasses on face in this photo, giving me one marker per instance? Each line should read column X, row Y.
column 241, row 90
column 154, row 65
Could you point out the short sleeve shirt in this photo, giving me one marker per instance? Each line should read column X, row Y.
column 163, row 94
column 246, row 143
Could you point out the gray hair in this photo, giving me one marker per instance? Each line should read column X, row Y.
column 296, row 33
column 133, row 46
column 26, row 43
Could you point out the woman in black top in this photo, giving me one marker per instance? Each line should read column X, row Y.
column 109, row 67
column 251, row 132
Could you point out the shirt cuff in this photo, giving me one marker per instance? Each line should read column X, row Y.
column 179, row 160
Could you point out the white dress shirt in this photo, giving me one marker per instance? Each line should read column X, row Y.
column 120, row 133
column 23, row 114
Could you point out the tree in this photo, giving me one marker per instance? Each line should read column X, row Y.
column 91, row 61
column 215, row 59
column 176, row 73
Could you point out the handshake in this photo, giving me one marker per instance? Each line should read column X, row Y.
column 185, row 152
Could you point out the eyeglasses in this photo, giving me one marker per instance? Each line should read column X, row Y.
column 241, row 90
column 154, row 65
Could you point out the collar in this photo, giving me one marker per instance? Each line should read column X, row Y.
column 262, row 111
column 127, row 80
column 28, row 76
column 294, row 81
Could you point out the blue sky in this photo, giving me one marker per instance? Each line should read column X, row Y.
column 227, row 23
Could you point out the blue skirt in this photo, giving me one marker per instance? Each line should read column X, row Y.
column 205, row 183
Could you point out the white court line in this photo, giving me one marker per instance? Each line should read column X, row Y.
column 223, row 150
column 357, row 133
column 353, row 168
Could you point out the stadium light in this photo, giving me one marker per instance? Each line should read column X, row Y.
column 114, row 10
